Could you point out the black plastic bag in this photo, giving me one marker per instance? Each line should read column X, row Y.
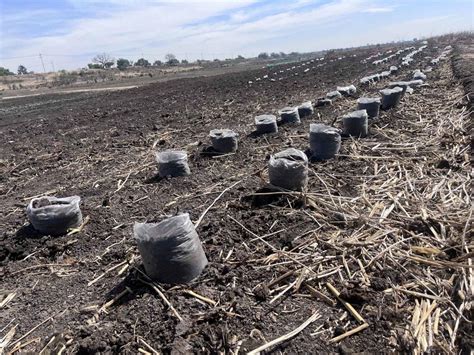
column 171, row 250
column 324, row 141
column 370, row 104
column 266, row 124
column 305, row 109
column 172, row 163
column 391, row 97
column 289, row 115
column 355, row 124
column 289, row 169
column 224, row 140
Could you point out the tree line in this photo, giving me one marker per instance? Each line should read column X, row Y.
column 21, row 71
column 106, row 61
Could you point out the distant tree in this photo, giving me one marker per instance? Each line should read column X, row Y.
column 330, row 53
column 263, row 55
column 158, row 63
column 216, row 60
column 170, row 58
column 5, row 71
column 123, row 63
column 184, row 61
column 94, row 66
column 294, row 54
column 239, row 57
column 142, row 62
column 274, row 55
column 22, row 70
column 104, row 60
column 282, row 54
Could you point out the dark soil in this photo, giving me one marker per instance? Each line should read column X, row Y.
column 99, row 146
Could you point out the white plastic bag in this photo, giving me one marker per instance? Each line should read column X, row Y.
column 55, row 216
column 333, row 95
column 347, row 90
column 419, row 75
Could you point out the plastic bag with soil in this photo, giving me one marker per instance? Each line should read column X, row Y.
column 305, row 109
column 347, row 90
column 266, row 124
column 365, row 80
column 391, row 97
column 369, row 79
column 355, row 124
column 224, row 140
column 333, row 95
column 402, row 84
column 323, row 102
column 171, row 250
column 53, row 215
column 415, row 83
column 289, row 169
column 419, row 75
column 370, row 104
column 289, row 115
column 384, row 74
column 324, row 141
column 172, row 163
column 376, row 77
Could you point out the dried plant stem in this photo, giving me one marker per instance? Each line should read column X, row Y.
column 285, row 337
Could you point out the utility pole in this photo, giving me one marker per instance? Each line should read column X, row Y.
column 42, row 63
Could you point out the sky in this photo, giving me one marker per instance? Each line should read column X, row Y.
column 69, row 33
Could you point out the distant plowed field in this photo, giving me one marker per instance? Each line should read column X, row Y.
column 387, row 223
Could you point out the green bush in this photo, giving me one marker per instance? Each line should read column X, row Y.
column 123, row 63
column 142, row 62
column 5, row 71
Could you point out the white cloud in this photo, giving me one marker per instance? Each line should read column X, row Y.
column 254, row 34
column 378, row 9
column 177, row 26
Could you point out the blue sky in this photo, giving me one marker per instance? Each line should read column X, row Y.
column 69, row 33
